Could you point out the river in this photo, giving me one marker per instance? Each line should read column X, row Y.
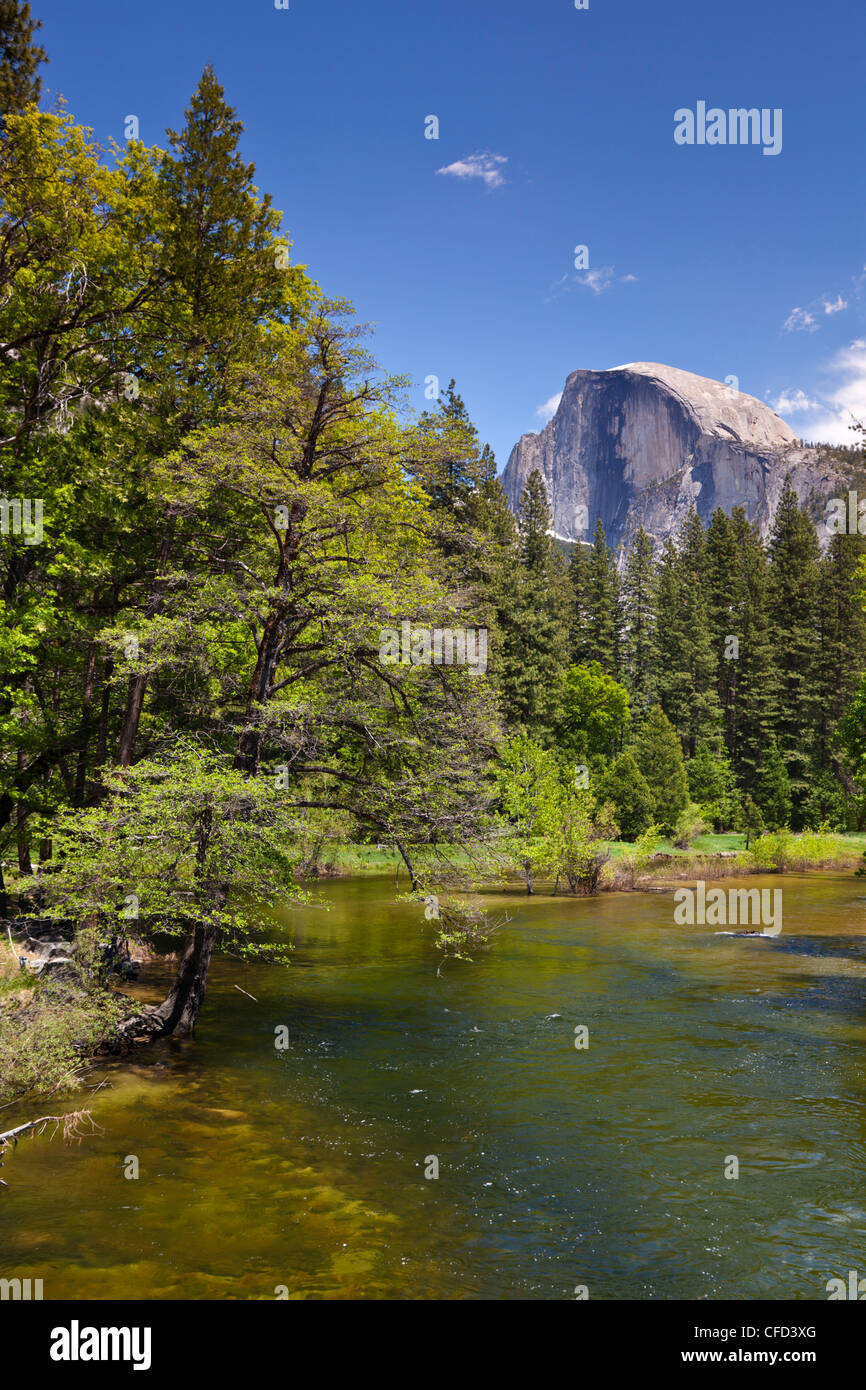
column 303, row 1171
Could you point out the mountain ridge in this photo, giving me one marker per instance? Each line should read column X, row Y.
column 640, row 444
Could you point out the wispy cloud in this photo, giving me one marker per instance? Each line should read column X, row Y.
column 598, row 280
column 487, row 167
column 800, row 321
column 828, row 419
column 806, row 320
column 548, row 410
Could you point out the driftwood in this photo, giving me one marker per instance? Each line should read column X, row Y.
column 72, row 1129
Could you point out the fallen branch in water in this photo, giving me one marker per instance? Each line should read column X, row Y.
column 72, row 1129
column 249, row 996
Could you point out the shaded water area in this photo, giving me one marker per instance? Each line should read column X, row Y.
column 558, row 1167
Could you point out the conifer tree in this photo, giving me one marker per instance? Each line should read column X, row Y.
column 793, row 618
column 774, row 790
column 753, row 678
column 20, row 58
column 686, row 666
column 659, row 756
column 624, row 785
column 841, row 654
column 639, row 622
column 600, row 606
column 533, row 616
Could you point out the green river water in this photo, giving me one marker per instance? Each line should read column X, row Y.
column 304, row 1169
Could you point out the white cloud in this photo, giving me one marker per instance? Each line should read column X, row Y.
column 628, row 279
column 800, row 321
column 548, row 410
column 841, row 406
column 834, row 306
column 794, row 403
column 487, row 167
column 596, row 280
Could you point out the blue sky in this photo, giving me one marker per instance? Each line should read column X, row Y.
column 558, row 127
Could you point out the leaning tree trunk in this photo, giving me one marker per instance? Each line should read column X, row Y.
column 177, row 1013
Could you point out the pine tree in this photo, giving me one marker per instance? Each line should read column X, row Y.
column 793, row 615
column 841, row 652
column 639, row 623
column 624, row 785
column 226, row 265
column 725, row 588
column 577, row 580
column 774, row 790
column 686, row 664
column 533, row 609
column 600, row 606
column 659, row 756
column 20, row 57
column 754, row 679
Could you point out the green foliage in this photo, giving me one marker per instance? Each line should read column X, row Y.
column 713, row 786
column 774, row 790
column 529, row 794
column 177, row 841
column 658, row 754
column 44, row 1041
column 624, row 785
column 637, row 859
column 690, row 824
column 594, row 712
column 773, row 850
column 20, row 57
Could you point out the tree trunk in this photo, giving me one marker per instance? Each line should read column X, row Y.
column 23, row 843
column 86, row 701
column 138, row 684
column 260, row 690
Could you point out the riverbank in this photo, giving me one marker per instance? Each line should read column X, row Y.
column 709, row 856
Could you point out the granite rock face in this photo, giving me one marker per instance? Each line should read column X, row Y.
column 638, row 445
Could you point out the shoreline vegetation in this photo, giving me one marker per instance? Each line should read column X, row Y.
column 710, row 856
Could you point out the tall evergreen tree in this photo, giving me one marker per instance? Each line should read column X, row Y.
column 599, row 613
column 793, row 614
column 639, row 596
column 686, row 666
column 20, row 58
column 753, row 679
column 841, row 654
column 533, row 608
column 658, row 754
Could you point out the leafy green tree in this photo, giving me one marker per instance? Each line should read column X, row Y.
column 594, row 712
column 579, row 860
column 659, row 756
column 529, row 791
column 181, row 847
column 826, row 804
column 841, row 654
column 750, row 689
